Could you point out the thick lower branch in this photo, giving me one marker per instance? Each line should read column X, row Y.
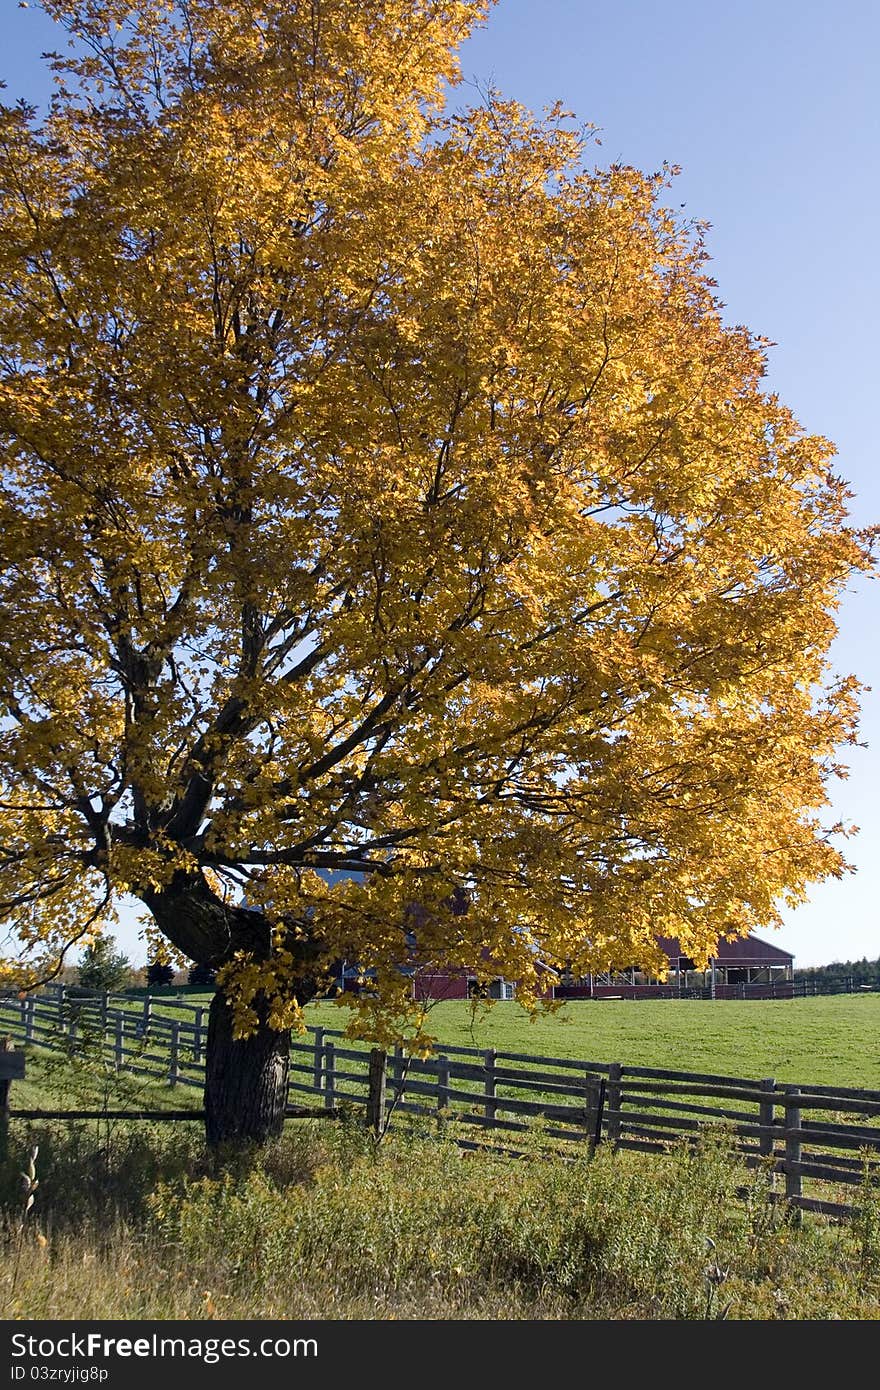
column 210, row 931
column 202, row 926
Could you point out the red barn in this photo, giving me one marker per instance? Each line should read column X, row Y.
column 746, row 965
column 747, row 960
column 440, row 983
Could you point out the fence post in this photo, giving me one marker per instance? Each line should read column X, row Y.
column 197, row 1035
column 792, row 1142
column 614, row 1097
column 329, row 1076
column 765, row 1115
column 146, row 1016
column 6, row 1045
column 594, row 1105
column 490, row 1108
column 103, row 1006
column 397, row 1073
column 174, row 1067
column 119, row 1040
column 29, row 1021
column 319, row 1058
column 376, row 1093
column 442, row 1082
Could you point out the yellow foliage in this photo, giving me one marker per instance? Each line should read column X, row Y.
column 381, row 492
column 245, row 981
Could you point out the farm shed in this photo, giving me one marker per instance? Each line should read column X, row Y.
column 746, row 961
column 746, row 964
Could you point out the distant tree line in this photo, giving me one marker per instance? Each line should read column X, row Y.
column 104, row 969
column 160, row 973
column 860, row 971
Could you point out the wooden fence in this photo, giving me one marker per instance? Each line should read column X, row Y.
column 778, row 989
column 810, row 1136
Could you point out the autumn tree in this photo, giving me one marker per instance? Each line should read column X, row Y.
column 391, row 523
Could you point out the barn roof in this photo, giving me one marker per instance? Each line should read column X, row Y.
column 745, row 950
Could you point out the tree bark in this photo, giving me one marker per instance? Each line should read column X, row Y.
column 203, row 927
column 245, row 1081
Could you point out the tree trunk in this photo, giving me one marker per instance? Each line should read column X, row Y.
column 245, row 1081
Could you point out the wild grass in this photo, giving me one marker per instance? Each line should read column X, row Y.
column 325, row 1224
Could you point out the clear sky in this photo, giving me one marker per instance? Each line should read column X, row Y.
column 772, row 110
column 771, row 107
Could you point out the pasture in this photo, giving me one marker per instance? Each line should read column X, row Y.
column 828, row 1041
column 139, row 1220
column 831, row 1040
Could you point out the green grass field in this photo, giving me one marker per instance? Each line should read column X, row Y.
column 54, row 1082
column 832, row 1040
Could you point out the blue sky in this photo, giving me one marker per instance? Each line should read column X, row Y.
column 771, row 109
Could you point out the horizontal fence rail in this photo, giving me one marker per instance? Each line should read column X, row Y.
column 775, row 989
column 806, row 1136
